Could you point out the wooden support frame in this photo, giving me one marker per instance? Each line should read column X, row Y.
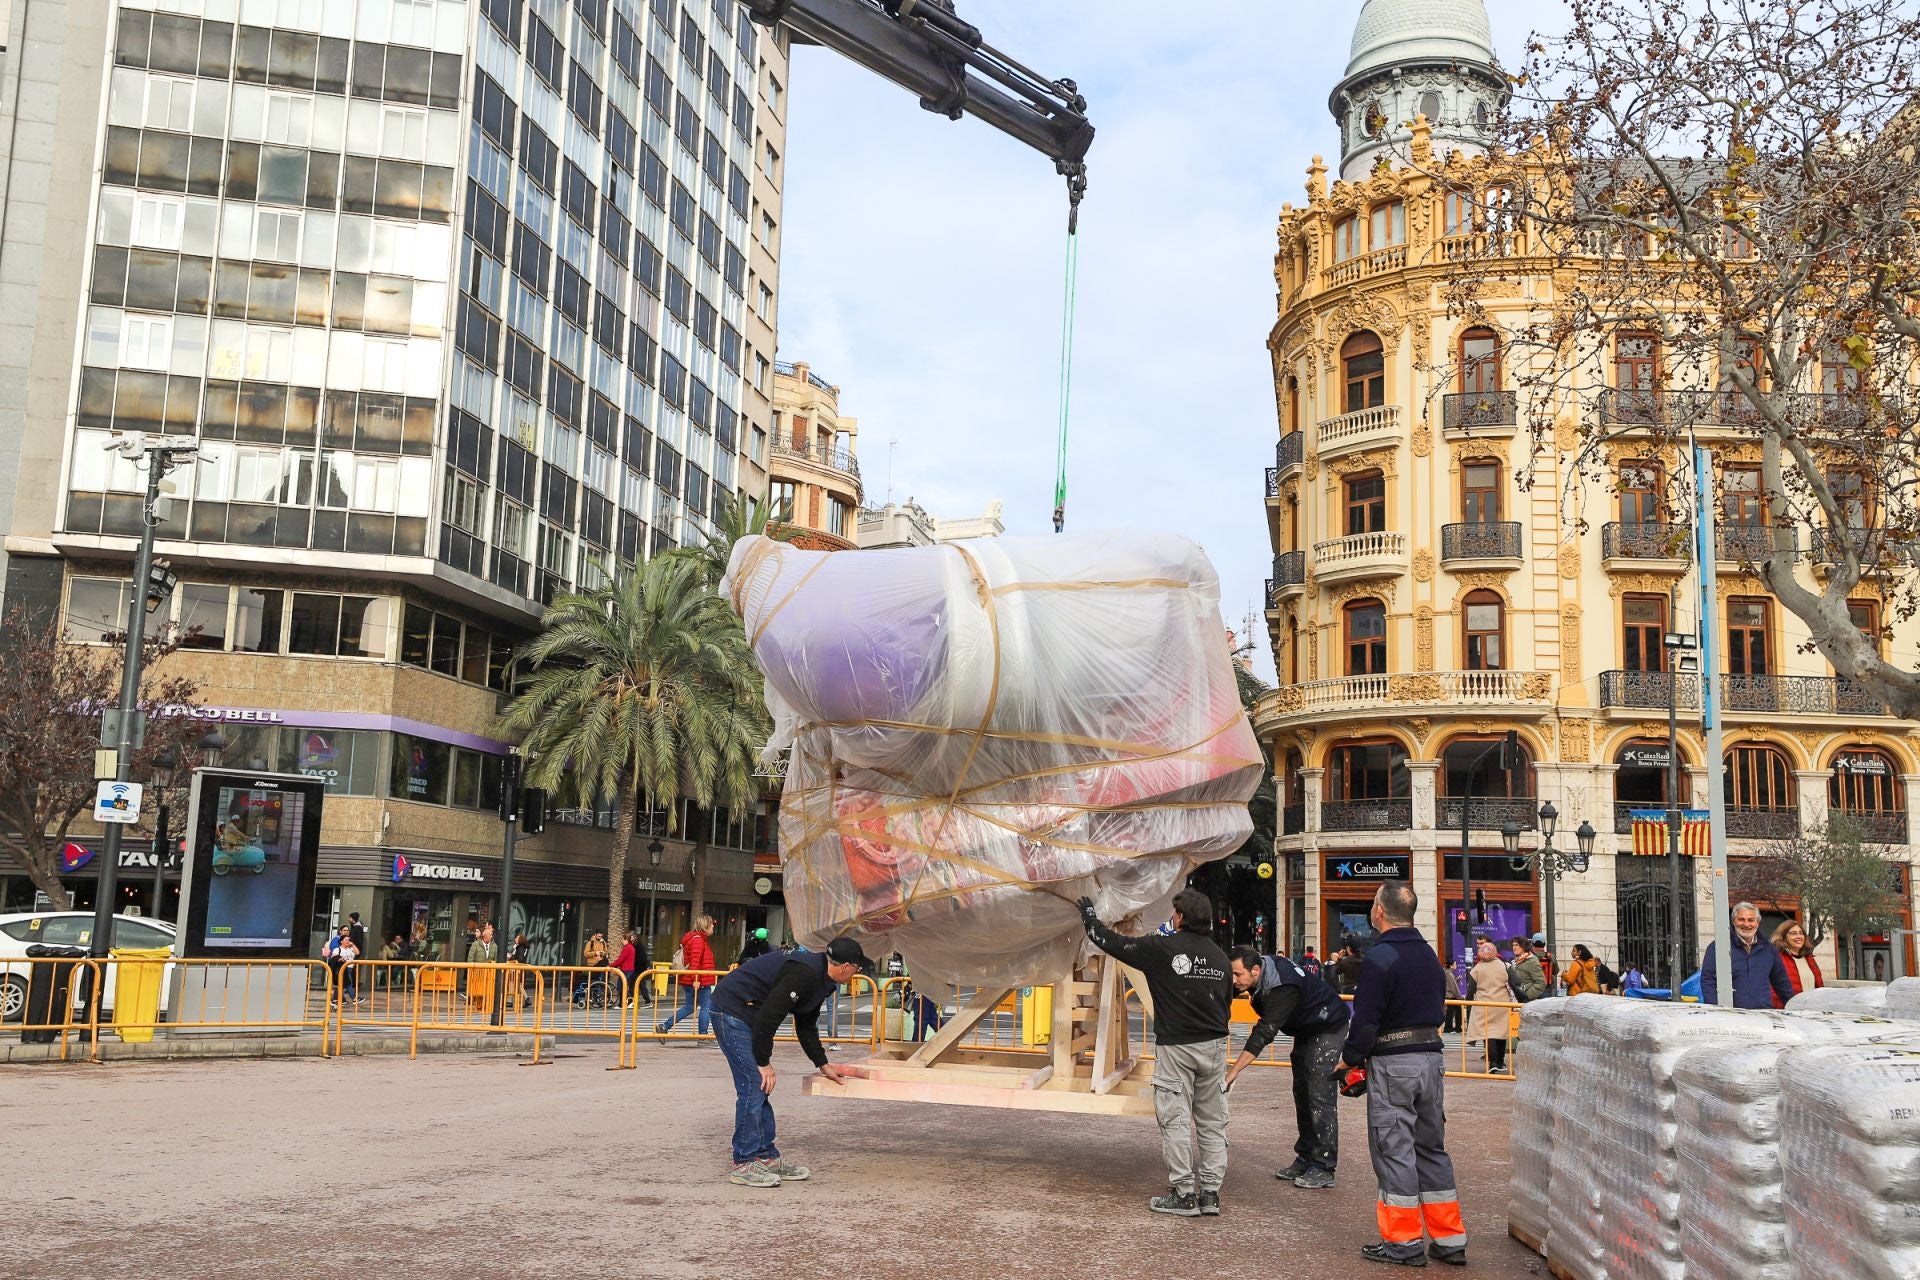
column 1091, row 1063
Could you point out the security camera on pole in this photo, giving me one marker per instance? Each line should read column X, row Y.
column 123, row 731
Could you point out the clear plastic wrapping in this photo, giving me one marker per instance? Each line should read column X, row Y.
column 1574, row 1242
column 1850, row 1161
column 979, row 732
column 1536, row 1068
column 1842, row 1000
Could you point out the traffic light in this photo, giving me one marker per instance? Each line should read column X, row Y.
column 1460, row 925
column 509, row 787
column 533, row 811
column 1480, row 905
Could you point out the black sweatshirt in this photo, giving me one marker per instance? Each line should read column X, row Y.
column 1186, row 976
column 767, row 988
column 1291, row 1000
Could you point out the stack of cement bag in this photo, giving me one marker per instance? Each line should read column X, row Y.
column 1667, row 1152
column 1733, row 1224
column 1868, row 1000
column 1542, row 1023
column 1573, row 1233
column 1850, row 1160
column 1903, row 998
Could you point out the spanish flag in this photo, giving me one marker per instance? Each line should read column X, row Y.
column 1650, row 832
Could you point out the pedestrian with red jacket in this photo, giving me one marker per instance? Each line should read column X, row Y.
column 632, row 964
column 1796, row 956
column 696, row 987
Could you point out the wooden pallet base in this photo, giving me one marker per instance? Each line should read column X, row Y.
column 1090, row 1066
column 1527, row 1238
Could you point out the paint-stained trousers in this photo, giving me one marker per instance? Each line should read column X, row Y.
column 1406, row 1135
column 1190, row 1102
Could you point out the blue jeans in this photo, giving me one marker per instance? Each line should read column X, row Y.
column 752, row 1108
column 686, row 1006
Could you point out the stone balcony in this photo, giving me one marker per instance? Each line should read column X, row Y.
column 1521, row 693
column 1360, row 555
column 1357, row 430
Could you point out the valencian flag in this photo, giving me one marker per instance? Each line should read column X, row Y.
column 1650, row 832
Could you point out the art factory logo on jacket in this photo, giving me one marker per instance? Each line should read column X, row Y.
column 1186, row 966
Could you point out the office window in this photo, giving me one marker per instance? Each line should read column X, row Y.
column 1479, row 361
column 1346, row 238
column 1741, row 497
column 1636, row 361
column 1366, row 502
column 1480, row 492
column 1641, row 484
column 96, row 610
column 1749, row 631
column 1645, row 623
column 203, row 615
column 1387, row 225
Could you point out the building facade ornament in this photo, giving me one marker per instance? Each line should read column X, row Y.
column 1423, row 565
column 1423, row 637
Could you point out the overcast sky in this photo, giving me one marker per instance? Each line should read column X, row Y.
column 921, row 264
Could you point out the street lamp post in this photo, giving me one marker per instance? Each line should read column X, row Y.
column 654, row 850
column 128, row 733
column 1678, row 646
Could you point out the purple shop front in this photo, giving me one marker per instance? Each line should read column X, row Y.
column 1505, row 922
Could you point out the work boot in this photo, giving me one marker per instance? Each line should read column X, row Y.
column 1315, row 1179
column 1383, row 1252
column 1209, row 1202
column 1453, row 1256
column 787, row 1171
column 1180, row 1203
column 753, row 1174
column 1292, row 1171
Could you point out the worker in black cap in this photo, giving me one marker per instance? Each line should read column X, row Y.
column 749, row 1005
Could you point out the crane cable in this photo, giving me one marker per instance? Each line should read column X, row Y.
column 1066, row 366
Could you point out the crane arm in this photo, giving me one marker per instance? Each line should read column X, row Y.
column 923, row 46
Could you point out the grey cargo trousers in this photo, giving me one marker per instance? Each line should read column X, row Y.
column 1190, row 1102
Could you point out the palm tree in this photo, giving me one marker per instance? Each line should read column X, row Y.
column 734, row 520
column 642, row 687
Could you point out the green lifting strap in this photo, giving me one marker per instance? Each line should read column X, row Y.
column 1066, row 373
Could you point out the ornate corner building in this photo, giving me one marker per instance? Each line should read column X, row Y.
column 815, row 462
column 1424, row 602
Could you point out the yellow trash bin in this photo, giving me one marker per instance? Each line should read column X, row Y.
column 138, row 974
column 1036, row 1015
column 660, row 978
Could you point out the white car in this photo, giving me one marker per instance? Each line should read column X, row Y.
column 66, row 929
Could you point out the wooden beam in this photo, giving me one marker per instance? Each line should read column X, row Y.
column 983, row 1003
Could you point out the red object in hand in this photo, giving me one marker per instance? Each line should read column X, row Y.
column 1353, row 1083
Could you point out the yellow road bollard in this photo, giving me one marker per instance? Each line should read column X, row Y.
column 138, row 973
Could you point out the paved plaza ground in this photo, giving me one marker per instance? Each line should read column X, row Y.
column 475, row 1166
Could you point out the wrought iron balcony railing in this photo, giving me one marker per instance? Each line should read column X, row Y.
column 1745, row 823
column 1799, row 695
column 1489, row 813
column 1465, row 410
column 1649, row 689
column 1880, row 827
column 1490, row 540
column 1290, row 569
column 1291, row 450
column 1645, row 541
column 1367, row 815
column 1873, row 546
column 1751, row 543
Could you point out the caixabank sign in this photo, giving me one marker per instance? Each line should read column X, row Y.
column 1369, row 867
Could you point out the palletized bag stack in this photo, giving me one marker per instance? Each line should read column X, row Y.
column 1903, row 997
column 1732, row 1223
column 1542, row 1026
column 1574, row 1242
column 1635, row 1156
column 1850, row 1161
column 1871, row 1000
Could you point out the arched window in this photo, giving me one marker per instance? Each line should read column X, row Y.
column 1365, row 495
column 1639, row 779
column 1481, row 116
column 1372, row 120
column 1346, row 238
column 1469, row 768
column 1363, row 363
column 1479, row 361
column 1430, row 106
column 1365, row 625
column 1459, row 213
column 1366, row 771
column 1483, row 622
column 1865, row 783
column 1759, row 777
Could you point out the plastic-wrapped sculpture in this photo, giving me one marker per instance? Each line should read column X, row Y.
column 980, row 732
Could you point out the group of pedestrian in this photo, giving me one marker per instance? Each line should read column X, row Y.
column 342, row 954
column 1766, row 972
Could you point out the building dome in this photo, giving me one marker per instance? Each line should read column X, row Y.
column 1393, row 33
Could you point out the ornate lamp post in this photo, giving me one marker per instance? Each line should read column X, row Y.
column 1551, row 864
column 654, row 850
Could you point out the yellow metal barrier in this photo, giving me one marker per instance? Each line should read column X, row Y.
column 27, row 980
column 587, row 1002
column 220, row 996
